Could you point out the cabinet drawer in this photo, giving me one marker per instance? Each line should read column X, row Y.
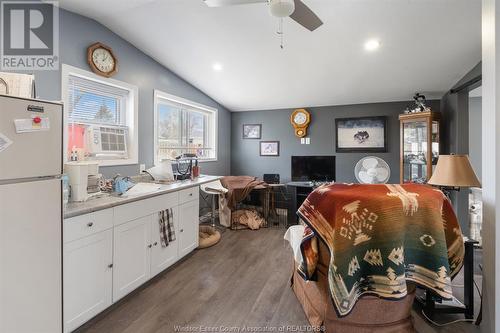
column 189, row 194
column 88, row 224
column 141, row 208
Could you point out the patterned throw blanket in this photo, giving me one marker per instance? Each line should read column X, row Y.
column 380, row 237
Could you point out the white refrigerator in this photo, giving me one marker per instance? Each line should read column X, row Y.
column 30, row 215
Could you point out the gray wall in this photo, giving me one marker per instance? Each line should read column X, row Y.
column 455, row 136
column 475, row 134
column 77, row 33
column 245, row 159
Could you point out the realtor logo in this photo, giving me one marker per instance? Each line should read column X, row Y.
column 29, row 35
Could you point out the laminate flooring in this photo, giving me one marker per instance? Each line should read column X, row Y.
column 244, row 281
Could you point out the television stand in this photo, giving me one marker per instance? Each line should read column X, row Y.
column 298, row 192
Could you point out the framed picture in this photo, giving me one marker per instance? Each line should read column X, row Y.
column 269, row 148
column 363, row 134
column 252, row 131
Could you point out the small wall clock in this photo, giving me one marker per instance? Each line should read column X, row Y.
column 102, row 60
column 300, row 120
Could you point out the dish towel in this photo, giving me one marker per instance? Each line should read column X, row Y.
column 166, row 223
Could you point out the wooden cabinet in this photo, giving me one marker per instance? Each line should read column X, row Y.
column 163, row 257
column 87, row 278
column 188, row 227
column 420, row 146
column 132, row 250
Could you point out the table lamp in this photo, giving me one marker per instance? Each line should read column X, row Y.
column 454, row 172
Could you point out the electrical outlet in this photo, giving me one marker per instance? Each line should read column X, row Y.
column 308, row 141
column 302, row 141
column 142, row 168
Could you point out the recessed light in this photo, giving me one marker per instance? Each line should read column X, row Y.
column 217, row 67
column 372, row 45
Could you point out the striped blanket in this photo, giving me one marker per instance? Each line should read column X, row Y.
column 380, row 237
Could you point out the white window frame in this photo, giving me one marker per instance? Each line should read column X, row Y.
column 131, row 114
column 160, row 95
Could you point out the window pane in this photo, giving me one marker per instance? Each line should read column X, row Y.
column 196, row 132
column 94, row 108
column 97, row 119
column 184, row 129
column 169, row 131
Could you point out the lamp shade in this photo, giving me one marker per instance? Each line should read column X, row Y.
column 454, row 171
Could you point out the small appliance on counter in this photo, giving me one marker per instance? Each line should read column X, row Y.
column 184, row 165
column 81, row 176
column 94, row 184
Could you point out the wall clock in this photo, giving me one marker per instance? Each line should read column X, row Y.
column 102, row 60
column 300, row 120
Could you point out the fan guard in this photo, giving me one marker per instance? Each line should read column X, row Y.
column 372, row 170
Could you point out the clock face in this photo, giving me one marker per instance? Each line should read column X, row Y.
column 103, row 60
column 300, row 118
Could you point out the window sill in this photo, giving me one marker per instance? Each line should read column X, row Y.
column 208, row 160
column 106, row 163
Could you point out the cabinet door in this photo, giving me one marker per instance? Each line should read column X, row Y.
column 132, row 248
column 188, row 227
column 163, row 257
column 87, row 278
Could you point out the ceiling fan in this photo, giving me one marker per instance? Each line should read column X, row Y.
column 295, row 9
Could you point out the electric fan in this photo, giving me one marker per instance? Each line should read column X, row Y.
column 372, row 170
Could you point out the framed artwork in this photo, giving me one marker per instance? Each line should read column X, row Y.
column 252, row 131
column 362, row 134
column 269, row 148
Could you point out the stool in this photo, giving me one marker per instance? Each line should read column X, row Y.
column 214, row 189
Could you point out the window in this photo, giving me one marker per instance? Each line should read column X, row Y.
column 182, row 126
column 101, row 116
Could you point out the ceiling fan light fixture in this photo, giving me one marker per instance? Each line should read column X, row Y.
column 281, row 8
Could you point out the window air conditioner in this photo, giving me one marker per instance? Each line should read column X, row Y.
column 105, row 141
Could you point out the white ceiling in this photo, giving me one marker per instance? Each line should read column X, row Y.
column 427, row 46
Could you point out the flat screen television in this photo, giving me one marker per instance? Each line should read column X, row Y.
column 313, row 168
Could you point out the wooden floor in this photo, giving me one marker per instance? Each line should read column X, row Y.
column 242, row 281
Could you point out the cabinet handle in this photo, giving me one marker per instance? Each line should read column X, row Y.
column 110, row 266
column 182, row 230
column 150, row 246
column 155, row 243
column 190, row 194
column 90, row 224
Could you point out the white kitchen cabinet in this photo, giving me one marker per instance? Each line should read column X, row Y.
column 188, row 227
column 132, row 252
column 87, row 278
column 111, row 252
column 163, row 257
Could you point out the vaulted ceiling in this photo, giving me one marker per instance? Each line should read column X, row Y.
column 426, row 46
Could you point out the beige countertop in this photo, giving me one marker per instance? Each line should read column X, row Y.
column 79, row 208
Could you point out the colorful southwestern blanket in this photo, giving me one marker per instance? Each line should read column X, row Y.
column 380, row 237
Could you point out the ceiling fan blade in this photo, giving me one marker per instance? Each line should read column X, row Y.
column 305, row 16
column 222, row 3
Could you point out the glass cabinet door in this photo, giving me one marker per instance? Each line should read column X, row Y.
column 435, row 143
column 415, row 145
